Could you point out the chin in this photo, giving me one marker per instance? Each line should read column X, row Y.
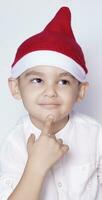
column 41, row 117
column 44, row 116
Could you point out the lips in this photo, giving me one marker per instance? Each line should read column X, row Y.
column 49, row 105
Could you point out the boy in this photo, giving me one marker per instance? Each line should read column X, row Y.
column 53, row 153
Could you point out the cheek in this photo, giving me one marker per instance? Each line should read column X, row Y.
column 69, row 96
column 26, row 95
column 29, row 98
column 68, row 102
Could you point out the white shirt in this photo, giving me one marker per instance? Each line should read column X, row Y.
column 77, row 176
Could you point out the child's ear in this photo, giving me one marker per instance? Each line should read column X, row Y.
column 82, row 91
column 14, row 88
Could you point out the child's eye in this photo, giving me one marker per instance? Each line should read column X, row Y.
column 64, row 82
column 36, row 80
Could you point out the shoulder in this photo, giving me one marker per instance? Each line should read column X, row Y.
column 13, row 151
column 16, row 134
column 87, row 131
column 85, row 119
column 18, row 128
column 86, row 124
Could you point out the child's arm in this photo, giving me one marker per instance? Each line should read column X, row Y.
column 42, row 155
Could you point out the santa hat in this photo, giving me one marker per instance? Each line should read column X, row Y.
column 54, row 46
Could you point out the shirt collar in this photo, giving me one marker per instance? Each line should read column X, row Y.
column 31, row 129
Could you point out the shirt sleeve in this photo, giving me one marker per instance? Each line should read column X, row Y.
column 99, row 147
column 13, row 156
column 6, row 186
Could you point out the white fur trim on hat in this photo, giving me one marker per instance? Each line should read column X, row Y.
column 51, row 58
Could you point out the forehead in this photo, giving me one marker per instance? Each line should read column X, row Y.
column 47, row 70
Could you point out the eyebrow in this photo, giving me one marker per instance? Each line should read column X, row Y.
column 30, row 73
column 67, row 74
column 33, row 73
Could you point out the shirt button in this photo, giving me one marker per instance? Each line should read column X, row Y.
column 59, row 184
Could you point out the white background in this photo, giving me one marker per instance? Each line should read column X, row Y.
column 20, row 19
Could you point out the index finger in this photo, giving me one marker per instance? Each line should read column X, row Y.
column 48, row 125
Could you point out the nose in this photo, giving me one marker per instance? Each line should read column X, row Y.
column 50, row 91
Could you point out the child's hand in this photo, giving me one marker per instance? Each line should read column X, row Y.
column 47, row 150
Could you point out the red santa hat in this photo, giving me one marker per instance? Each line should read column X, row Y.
column 54, row 46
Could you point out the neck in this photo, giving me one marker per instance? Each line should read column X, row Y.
column 57, row 126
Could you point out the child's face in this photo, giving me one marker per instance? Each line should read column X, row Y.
column 47, row 90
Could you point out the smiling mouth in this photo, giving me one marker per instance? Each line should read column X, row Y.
column 49, row 106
